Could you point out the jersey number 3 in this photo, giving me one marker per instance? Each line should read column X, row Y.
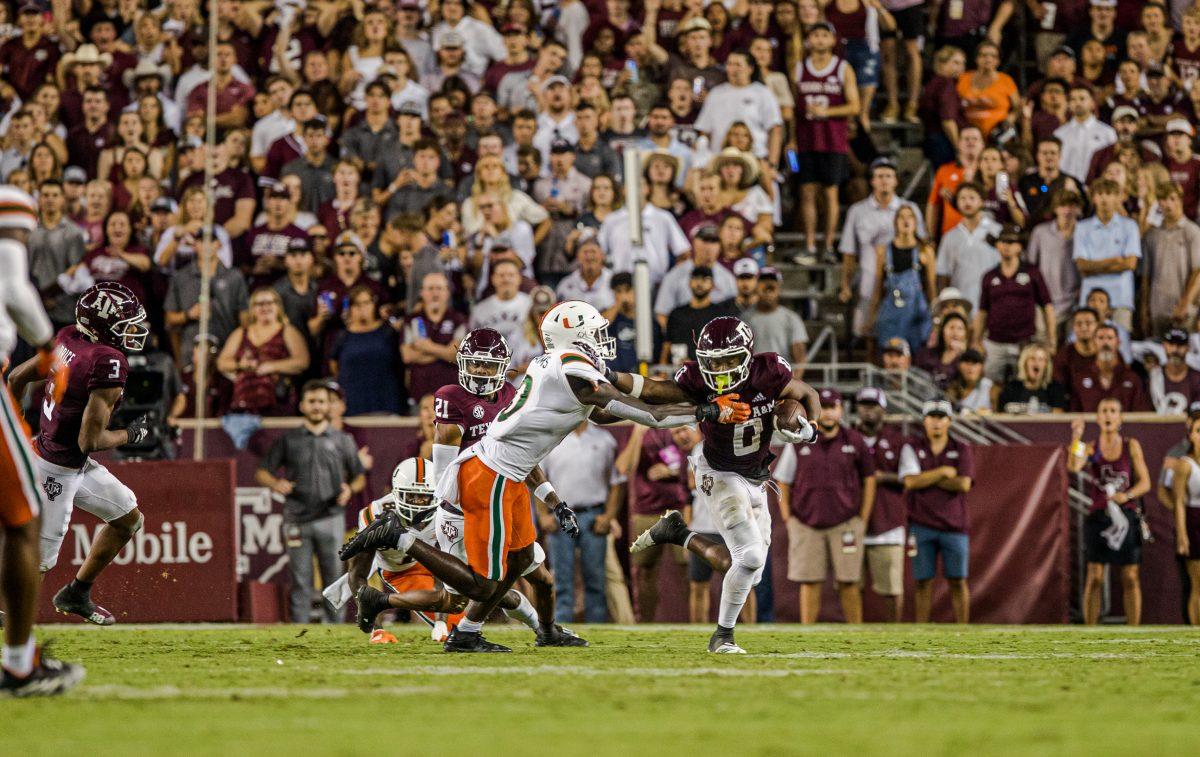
column 747, row 437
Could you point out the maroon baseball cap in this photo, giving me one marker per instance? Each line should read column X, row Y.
column 830, row 397
column 512, row 28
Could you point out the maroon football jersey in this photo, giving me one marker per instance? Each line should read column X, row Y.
column 741, row 448
column 453, row 404
column 827, row 88
column 1187, row 62
column 89, row 366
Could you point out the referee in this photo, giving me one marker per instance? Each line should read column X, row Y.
column 316, row 469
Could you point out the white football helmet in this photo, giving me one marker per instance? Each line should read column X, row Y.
column 17, row 209
column 412, row 489
column 576, row 322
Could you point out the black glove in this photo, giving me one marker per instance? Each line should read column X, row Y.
column 566, row 520
column 138, row 430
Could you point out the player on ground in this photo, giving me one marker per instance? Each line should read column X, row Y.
column 26, row 671
column 109, row 321
column 560, row 389
column 411, row 502
column 731, row 475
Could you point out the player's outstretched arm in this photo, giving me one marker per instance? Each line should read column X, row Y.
column 652, row 391
column 607, row 398
column 21, row 377
column 94, row 434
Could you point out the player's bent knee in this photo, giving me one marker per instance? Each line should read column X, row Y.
column 130, row 523
column 752, row 557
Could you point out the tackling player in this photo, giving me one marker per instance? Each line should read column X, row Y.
column 731, row 475
column 411, row 583
column 560, row 389
column 26, row 670
column 109, row 321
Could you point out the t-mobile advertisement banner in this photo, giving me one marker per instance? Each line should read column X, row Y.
column 182, row 565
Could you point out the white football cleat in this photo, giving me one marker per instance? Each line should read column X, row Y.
column 728, row 647
column 439, row 632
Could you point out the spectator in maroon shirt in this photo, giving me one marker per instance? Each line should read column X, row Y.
column 233, row 96
column 266, row 244
column 657, row 468
column 119, row 258
column 940, row 104
column 1037, row 124
column 1125, row 124
column 1009, row 299
column 884, row 540
column 231, row 193
column 938, row 472
column 334, row 214
column 30, row 59
column 1183, row 164
column 1079, row 352
column 104, row 34
column 827, row 490
column 429, row 343
column 1107, row 377
column 332, row 291
column 86, row 141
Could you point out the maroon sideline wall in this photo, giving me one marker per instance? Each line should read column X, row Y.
column 182, row 565
column 1020, row 547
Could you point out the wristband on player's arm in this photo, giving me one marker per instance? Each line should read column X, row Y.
column 544, row 490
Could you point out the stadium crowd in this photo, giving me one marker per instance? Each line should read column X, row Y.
column 388, row 176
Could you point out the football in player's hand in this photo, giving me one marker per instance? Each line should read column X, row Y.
column 789, row 414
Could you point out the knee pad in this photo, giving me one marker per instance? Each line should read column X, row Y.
column 751, row 557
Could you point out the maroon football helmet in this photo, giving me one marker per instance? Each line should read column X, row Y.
column 723, row 350
column 483, row 358
column 109, row 313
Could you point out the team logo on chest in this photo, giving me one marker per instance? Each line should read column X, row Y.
column 478, row 412
column 51, row 487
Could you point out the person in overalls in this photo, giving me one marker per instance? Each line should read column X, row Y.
column 905, row 284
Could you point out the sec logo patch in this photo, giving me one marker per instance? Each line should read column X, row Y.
column 477, row 412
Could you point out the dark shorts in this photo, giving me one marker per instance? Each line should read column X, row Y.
column 699, row 571
column 953, row 546
column 1193, row 532
column 1095, row 546
column 830, row 169
column 864, row 62
column 910, row 23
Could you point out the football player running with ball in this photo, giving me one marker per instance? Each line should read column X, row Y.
column 731, row 475
column 560, row 389
column 109, row 322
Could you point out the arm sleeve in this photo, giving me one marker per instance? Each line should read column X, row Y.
column 108, row 370
column 908, row 462
column 966, row 461
column 943, row 258
column 21, row 300
column 350, row 457
column 785, row 466
column 1133, row 240
column 275, row 456
column 848, row 244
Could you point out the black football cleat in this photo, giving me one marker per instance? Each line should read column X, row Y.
column 383, row 533
column 470, row 641
column 49, row 677
column 721, row 642
column 72, row 601
column 670, row 529
column 371, row 602
column 557, row 636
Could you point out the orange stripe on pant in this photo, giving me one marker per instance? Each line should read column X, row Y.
column 417, row 578
column 16, row 509
column 496, row 517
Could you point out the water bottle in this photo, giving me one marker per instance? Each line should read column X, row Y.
column 793, row 161
column 702, row 151
column 419, row 325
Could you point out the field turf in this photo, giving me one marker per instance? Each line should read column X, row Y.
column 919, row 690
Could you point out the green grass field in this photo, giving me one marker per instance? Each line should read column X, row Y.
column 650, row 690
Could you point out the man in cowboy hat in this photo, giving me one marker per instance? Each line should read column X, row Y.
column 79, row 70
column 30, row 59
column 148, row 80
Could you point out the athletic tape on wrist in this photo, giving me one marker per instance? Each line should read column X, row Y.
column 638, row 383
column 544, row 490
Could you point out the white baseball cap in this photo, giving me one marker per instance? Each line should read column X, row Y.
column 1180, row 126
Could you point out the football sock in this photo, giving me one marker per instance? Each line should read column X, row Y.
column 83, row 587
column 470, row 626
column 735, row 590
column 724, row 632
column 524, row 612
column 19, row 660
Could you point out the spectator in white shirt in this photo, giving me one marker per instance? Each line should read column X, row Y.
column 750, row 102
column 506, row 310
column 275, row 125
column 591, row 280
column 662, row 240
column 964, row 254
column 482, row 43
column 675, row 290
column 1084, row 135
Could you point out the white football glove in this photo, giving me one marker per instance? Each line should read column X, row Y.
column 439, row 632
column 807, row 433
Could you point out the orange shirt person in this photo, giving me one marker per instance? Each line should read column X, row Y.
column 940, row 215
column 989, row 96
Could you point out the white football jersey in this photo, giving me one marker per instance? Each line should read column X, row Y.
column 394, row 560
column 544, row 411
